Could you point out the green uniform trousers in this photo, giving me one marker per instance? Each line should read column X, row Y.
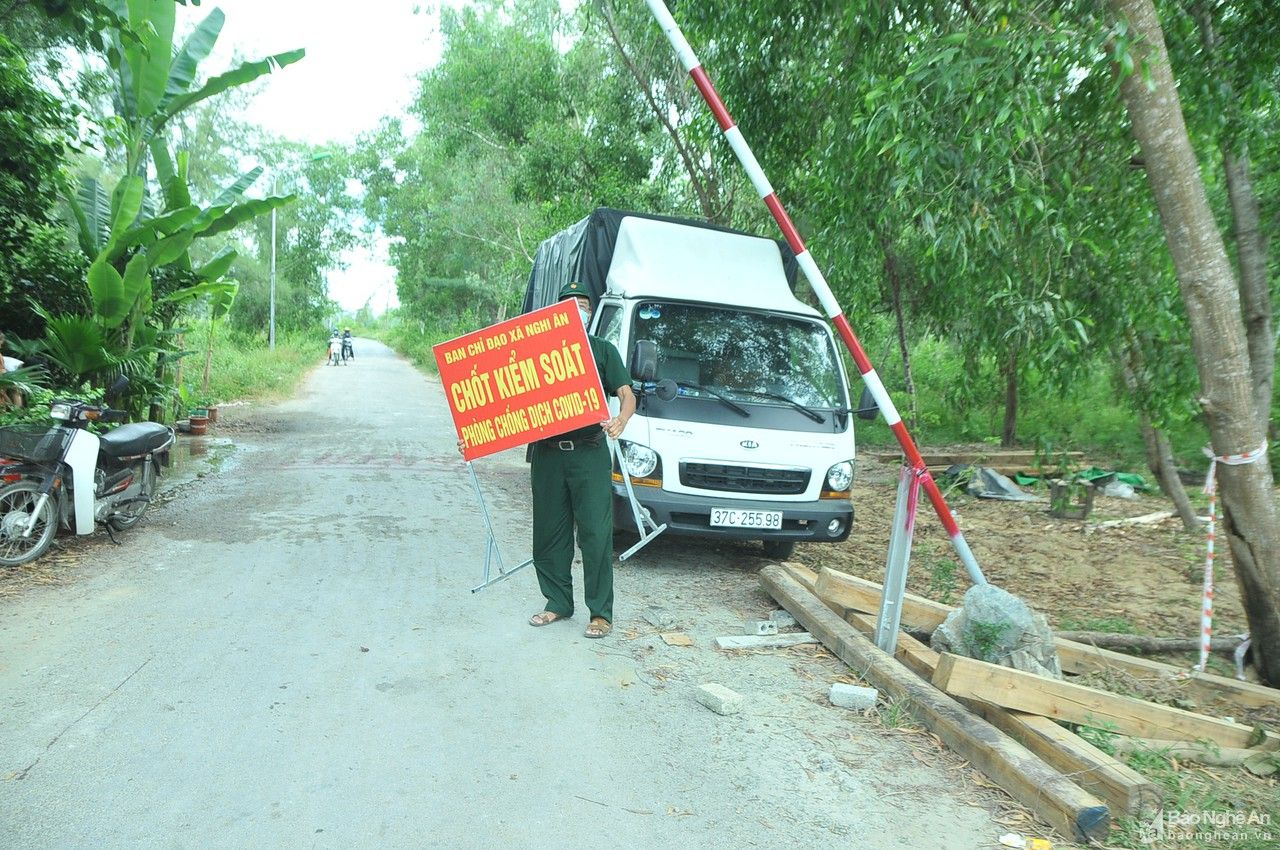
column 573, row 489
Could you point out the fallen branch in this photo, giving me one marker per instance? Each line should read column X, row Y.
column 1259, row 762
column 1147, row 644
column 1145, row 519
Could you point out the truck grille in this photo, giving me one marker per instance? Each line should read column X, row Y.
column 744, row 479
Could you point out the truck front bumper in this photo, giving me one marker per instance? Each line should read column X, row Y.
column 827, row 521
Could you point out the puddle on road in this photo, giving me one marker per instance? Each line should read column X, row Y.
column 193, row 456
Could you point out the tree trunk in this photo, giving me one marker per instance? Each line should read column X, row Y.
column 893, row 275
column 1251, row 240
column 1255, row 295
column 1251, row 525
column 1159, row 453
column 1009, row 431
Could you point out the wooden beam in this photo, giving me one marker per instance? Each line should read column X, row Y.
column 917, row 612
column 1123, row 789
column 861, row 595
column 1014, row 689
column 1066, row 806
column 1200, row 687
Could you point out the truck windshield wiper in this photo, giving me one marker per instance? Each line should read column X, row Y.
column 724, row 399
column 807, row 411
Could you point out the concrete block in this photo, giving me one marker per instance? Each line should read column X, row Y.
column 719, row 699
column 854, row 697
column 783, row 619
column 764, row 641
column 760, row 627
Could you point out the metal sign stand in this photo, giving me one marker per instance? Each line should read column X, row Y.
column 491, row 551
column 895, row 571
column 642, row 519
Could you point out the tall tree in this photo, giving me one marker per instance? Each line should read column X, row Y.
column 1212, row 302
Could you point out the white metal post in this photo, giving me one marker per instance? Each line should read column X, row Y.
column 895, row 571
column 271, row 327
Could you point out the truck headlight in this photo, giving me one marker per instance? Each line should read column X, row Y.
column 641, row 460
column 840, row 476
column 60, row 411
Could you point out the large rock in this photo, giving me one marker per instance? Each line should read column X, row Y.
column 996, row 626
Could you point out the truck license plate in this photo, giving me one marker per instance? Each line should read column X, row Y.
column 746, row 519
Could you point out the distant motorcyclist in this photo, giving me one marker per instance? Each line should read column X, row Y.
column 335, row 349
column 348, row 350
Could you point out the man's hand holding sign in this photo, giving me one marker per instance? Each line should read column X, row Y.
column 541, row 379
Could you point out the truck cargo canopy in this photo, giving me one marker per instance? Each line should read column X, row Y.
column 666, row 258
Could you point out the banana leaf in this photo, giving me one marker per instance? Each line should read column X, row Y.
column 246, row 73
column 106, row 288
column 172, row 178
column 232, row 192
column 91, row 207
column 213, row 289
column 218, row 266
column 170, row 248
column 197, row 47
column 247, row 211
column 150, row 58
column 126, row 203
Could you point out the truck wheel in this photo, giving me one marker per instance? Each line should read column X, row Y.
column 779, row 549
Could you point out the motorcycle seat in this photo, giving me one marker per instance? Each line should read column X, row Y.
column 136, row 438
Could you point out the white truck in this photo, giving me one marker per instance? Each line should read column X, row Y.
column 744, row 427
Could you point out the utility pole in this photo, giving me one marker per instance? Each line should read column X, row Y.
column 271, row 327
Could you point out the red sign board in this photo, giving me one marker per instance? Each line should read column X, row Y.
column 521, row 380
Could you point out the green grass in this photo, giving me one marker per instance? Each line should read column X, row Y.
column 244, row 368
column 1194, row 789
column 1113, row 625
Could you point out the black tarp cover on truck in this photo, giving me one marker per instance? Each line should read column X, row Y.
column 584, row 251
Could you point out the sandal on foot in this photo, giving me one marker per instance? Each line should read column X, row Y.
column 545, row 618
column 599, row 627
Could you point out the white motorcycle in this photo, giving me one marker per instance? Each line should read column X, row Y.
column 68, row 476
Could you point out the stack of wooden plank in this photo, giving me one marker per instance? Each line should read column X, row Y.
column 1006, row 722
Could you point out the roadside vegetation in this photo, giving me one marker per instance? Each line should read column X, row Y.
column 131, row 223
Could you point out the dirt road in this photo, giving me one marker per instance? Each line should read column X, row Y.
column 287, row 655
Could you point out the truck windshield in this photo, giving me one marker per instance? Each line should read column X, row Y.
column 760, row 358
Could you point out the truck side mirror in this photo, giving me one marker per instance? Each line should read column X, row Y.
column 667, row 389
column 644, row 360
column 867, row 407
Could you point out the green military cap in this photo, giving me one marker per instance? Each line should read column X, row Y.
column 573, row 289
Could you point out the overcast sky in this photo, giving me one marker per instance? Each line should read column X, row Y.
column 361, row 64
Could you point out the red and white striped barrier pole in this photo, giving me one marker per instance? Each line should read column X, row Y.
column 1211, row 489
column 816, row 280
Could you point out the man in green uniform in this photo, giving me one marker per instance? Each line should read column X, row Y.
column 570, row 478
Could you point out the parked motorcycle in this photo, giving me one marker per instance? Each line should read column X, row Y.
column 67, row 476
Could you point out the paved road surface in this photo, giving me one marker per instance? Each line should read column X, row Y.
column 287, row 655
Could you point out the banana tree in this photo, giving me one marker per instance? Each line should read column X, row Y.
column 129, row 232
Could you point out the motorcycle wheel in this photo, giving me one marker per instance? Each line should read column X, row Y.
column 17, row 501
column 124, row 520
